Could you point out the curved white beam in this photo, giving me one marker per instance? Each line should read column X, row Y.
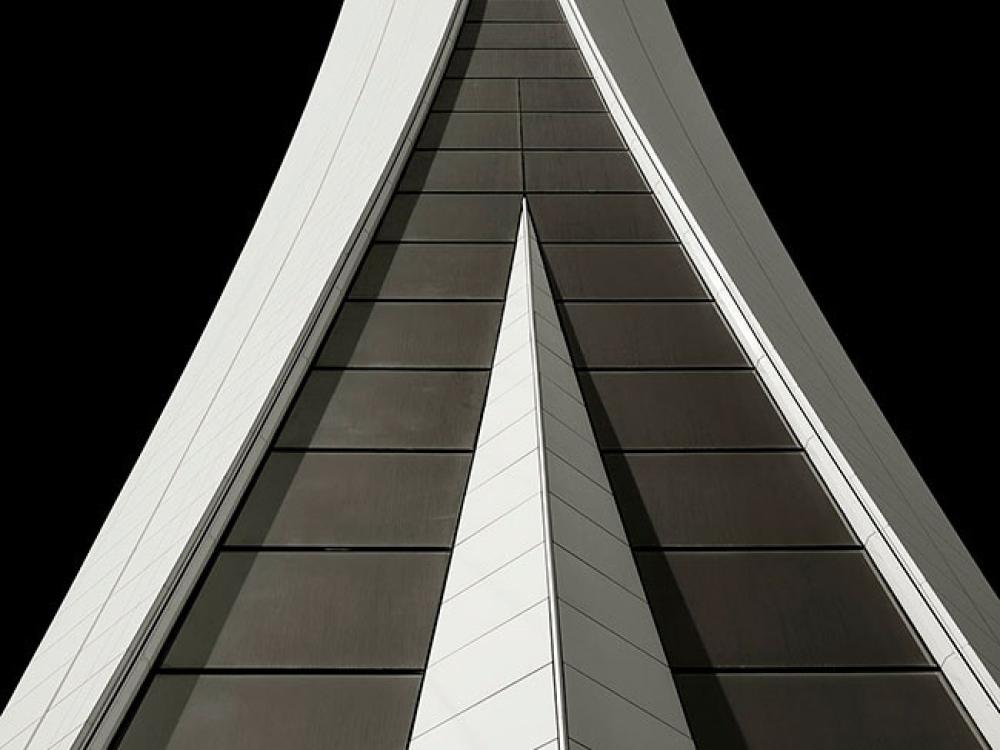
column 320, row 209
column 639, row 64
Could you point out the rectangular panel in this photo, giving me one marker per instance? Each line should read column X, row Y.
column 526, row 710
column 313, row 609
column 412, row 334
column 462, row 171
column 649, row 334
column 724, row 499
column 515, row 36
column 499, row 63
column 570, row 130
column 476, row 95
column 418, row 271
column 682, row 410
column 598, row 218
column 448, row 218
column 560, row 95
column 599, row 272
column 581, row 172
column 354, row 500
column 263, row 712
column 824, row 712
column 351, row 409
column 513, row 10
column 497, row 130
column 775, row 609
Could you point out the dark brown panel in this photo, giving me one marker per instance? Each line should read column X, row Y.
column 499, row 63
column 583, row 272
column 513, row 10
column 264, row 712
column 463, row 171
column 671, row 410
column 649, row 334
column 723, row 499
column 570, row 130
column 451, row 218
column 560, row 95
column 598, row 218
column 354, row 500
column 515, row 36
column 823, row 712
column 373, row 409
column 581, row 172
column 774, row 609
column 479, row 94
column 313, row 609
column 412, row 334
column 498, row 130
column 434, row 272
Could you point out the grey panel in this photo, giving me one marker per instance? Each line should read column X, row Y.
column 723, row 499
column 354, row 500
column 646, row 56
column 560, row 95
column 313, row 609
column 470, row 130
column 584, row 272
column 543, row 63
column 513, row 10
column 434, row 272
column 449, row 218
column 463, row 171
column 598, row 218
column 649, row 334
column 379, row 409
column 412, row 334
column 774, row 609
column 480, row 94
column 823, row 712
column 570, row 130
column 263, row 712
column 666, row 410
column 581, row 171
column 515, row 36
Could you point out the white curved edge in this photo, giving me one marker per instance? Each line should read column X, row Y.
column 364, row 110
column 962, row 667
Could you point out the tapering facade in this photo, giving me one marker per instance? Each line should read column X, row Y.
column 515, row 428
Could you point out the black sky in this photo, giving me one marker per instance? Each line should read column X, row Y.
column 143, row 153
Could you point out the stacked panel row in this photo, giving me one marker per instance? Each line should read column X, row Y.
column 313, row 622
column 778, row 630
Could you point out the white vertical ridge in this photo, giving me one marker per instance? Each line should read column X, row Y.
column 618, row 693
column 527, row 243
column 492, row 679
column 545, row 637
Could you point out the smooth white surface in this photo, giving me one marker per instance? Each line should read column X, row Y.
column 510, row 720
column 508, row 646
column 375, row 68
column 968, row 676
column 520, row 568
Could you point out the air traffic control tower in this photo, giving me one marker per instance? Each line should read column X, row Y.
column 515, row 428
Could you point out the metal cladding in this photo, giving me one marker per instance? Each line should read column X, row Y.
column 544, row 625
column 486, row 447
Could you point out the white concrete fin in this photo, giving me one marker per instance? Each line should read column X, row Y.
column 544, row 637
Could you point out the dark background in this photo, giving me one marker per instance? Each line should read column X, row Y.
column 145, row 143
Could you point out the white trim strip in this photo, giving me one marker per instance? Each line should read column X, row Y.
column 527, row 247
column 962, row 667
